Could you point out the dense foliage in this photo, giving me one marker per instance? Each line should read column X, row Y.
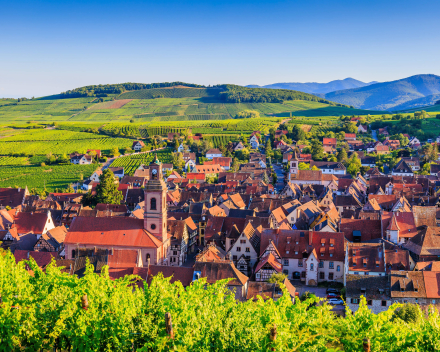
column 103, row 90
column 239, row 94
column 42, row 310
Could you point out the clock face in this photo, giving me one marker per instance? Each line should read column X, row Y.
column 154, row 172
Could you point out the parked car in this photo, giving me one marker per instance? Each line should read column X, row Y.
column 335, row 301
column 332, row 290
column 333, row 295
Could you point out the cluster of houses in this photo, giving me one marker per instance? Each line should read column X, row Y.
column 376, row 234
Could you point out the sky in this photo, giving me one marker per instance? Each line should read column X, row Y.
column 49, row 47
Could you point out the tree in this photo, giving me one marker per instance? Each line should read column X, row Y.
column 354, row 165
column 269, row 151
column 303, row 166
column 409, row 313
column 107, row 189
column 235, row 165
column 246, row 114
column 127, row 150
column 114, row 151
column 342, row 155
column 178, row 161
column 266, row 178
column 277, row 278
column 317, row 150
column 176, row 143
column 88, row 200
column 298, row 133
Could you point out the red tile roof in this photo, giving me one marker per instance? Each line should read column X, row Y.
column 30, row 222
column 272, row 261
column 42, row 258
column 123, row 232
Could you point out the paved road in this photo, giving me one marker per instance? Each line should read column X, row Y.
column 280, row 174
column 374, row 135
column 317, row 291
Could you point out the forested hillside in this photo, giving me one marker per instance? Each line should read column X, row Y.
column 49, row 309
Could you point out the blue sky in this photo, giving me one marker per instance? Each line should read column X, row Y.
column 52, row 46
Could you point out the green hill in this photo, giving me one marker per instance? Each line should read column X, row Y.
column 171, row 92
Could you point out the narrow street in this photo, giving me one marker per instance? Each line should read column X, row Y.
column 280, row 177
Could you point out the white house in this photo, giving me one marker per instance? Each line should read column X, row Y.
column 137, row 146
column 254, row 142
column 81, row 159
column 182, row 148
column 213, row 153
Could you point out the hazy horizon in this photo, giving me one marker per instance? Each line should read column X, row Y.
column 51, row 47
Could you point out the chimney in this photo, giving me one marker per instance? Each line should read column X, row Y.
column 27, row 255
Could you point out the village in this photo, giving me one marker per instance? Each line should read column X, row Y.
column 309, row 226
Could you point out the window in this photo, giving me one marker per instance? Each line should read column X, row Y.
column 243, row 241
column 300, row 263
column 311, row 267
column 331, row 265
column 321, row 276
column 338, row 268
column 234, row 257
column 286, row 262
column 73, row 253
column 330, row 276
column 369, row 302
column 257, row 275
column 384, row 303
column 248, row 249
column 153, row 204
column 366, row 273
column 321, row 264
column 355, row 300
column 153, row 226
column 286, row 272
column 417, row 300
column 238, row 249
column 433, row 301
column 322, row 254
column 303, row 274
column 148, row 257
column 174, row 252
column 331, row 254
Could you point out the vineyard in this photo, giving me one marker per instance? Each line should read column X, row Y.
column 217, row 141
column 53, row 310
column 9, row 160
column 62, row 146
column 131, row 162
column 35, row 176
column 172, row 92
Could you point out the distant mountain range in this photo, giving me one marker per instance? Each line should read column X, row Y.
column 408, row 93
column 317, row 88
column 388, row 95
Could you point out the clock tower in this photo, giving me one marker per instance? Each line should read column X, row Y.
column 155, row 211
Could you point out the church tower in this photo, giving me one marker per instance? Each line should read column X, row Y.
column 155, row 211
column 294, row 166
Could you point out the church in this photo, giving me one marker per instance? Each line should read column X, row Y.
column 148, row 236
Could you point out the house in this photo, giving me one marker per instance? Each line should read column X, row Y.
column 265, row 290
column 315, row 177
column 215, row 271
column 279, row 144
column 117, row 171
column 434, row 169
column 244, row 250
column 13, row 197
column 212, row 153
column 81, row 159
column 236, row 146
column 148, row 235
column 392, row 143
column 399, row 226
column 382, row 149
column 182, row 148
column 368, row 161
column 307, row 255
column 134, row 181
column 362, row 129
column 137, row 146
column 413, row 141
column 375, row 289
column 224, row 162
column 208, row 170
column 413, row 162
column 402, row 169
column 172, row 135
column 189, row 156
column 178, row 249
column 410, row 287
column 329, row 167
column 96, row 151
column 383, row 131
column 198, row 177
column 254, row 142
column 329, row 142
column 425, row 245
column 52, row 240
column 266, row 267
column 350, row 136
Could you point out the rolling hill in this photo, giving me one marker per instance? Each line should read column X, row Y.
column 419, row 103
column 317, row 88
column 388, row 95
